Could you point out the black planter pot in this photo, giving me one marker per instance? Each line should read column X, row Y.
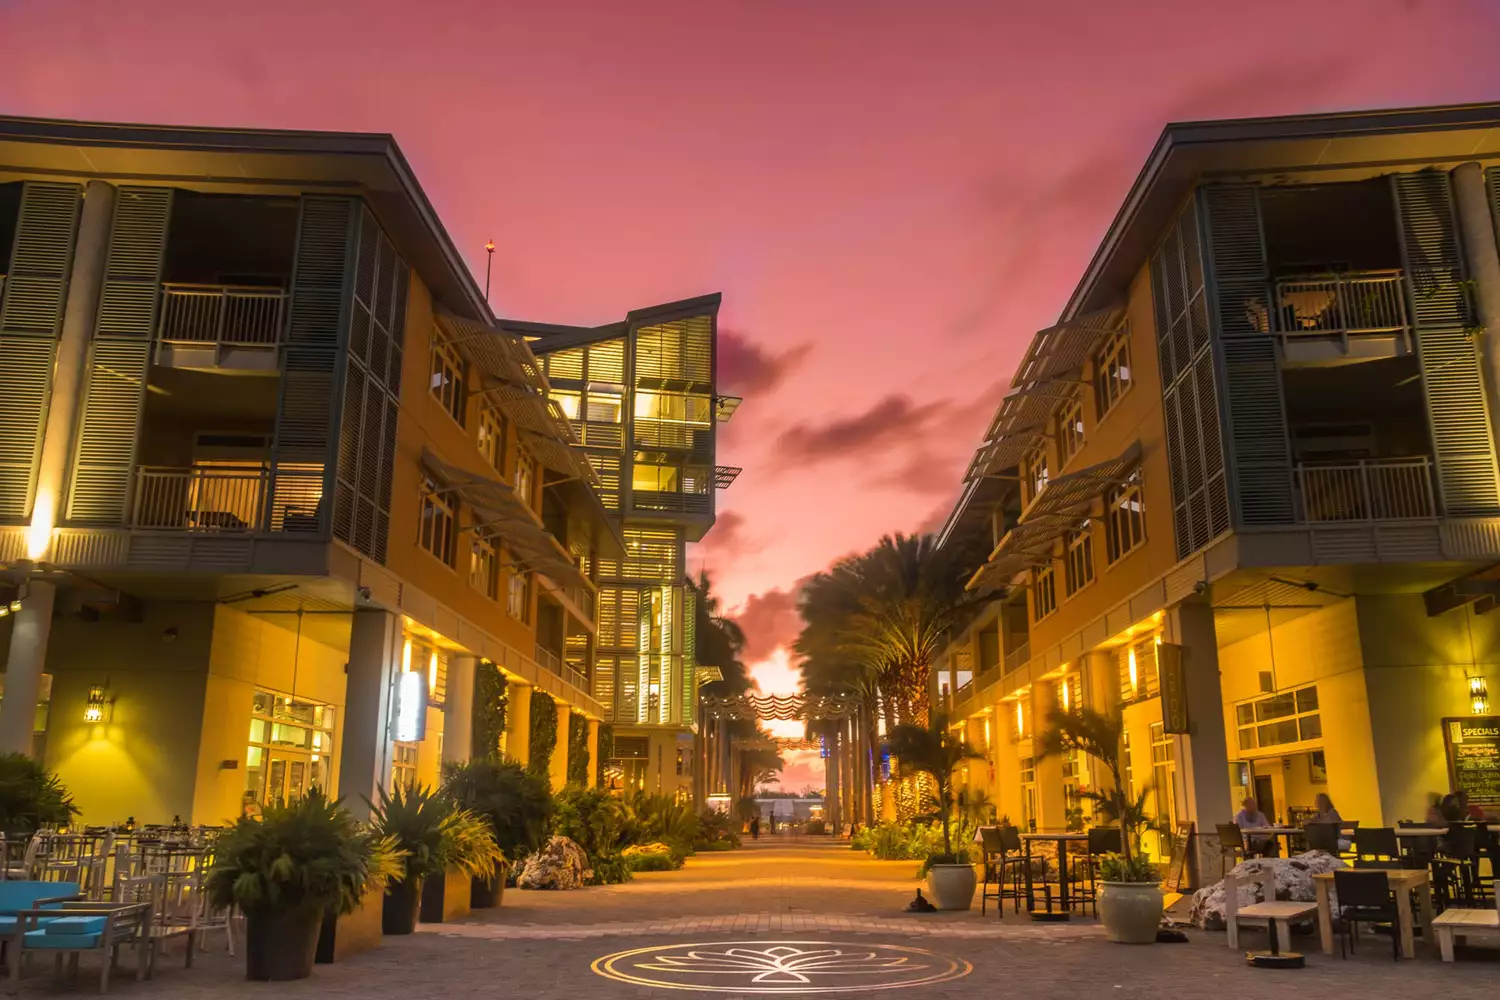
column 485, row 895
column 402, row 901
column 281, row 944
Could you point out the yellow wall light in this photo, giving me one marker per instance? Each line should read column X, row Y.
column 99, row 706
column 1479, row 696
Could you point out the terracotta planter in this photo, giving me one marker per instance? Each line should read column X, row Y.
column 399, row 910
column 353, row 932
column 445, row 896
column 280, row 944
column 951, row 886
column 1130, row 911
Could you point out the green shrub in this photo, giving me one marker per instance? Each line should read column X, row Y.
column 31, row 796
column 516, row 802
column 543, row 735
column 652, row 858
column 434, row 834
column 609, row 869
column 661, row 818
column 490, row 706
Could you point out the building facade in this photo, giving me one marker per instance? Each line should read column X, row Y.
column 274, row 484
column 1245, row 492
column 643, row 393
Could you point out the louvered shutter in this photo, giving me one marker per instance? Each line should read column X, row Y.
column 689, row 654
column 1259, row 449
column 1447, row 352
column 31, row 309
column 119, row 357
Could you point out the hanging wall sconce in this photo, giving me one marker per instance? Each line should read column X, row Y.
column 1479, row 696
column 100, row 707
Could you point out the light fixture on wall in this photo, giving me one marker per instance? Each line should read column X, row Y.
column 1479, row 696
column 99, row 707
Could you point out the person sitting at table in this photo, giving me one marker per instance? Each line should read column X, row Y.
column 1467, row 809
column 1326, row 813
column 1450, row 809
column 1251, row 818
column 1435, row 815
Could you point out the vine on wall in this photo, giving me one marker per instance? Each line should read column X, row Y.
column 543, row 733
column 490, row 699
column 578, row 750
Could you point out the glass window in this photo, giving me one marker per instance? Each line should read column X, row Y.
column 1163, row 771
column 525, row 478
column 1125, row 518
column 1112, row 376
column 1278, row 719
column 569, row 401
column 290, row 747
column 606, row 404
column 484, row 568
column 1034, row 472
column 492, row 438
column 1078, row 571
column 518, row 595
column 1044, row 591
column 447, row 377
column 404, row 765
column 439, row 523
column 1069, row 430
column 1138, row 674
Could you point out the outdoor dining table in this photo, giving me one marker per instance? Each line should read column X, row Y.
column 1402, row 881
column 1285, row 832
column 1062, row 840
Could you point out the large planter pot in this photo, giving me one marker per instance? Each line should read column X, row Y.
column 351, row 933
column 486, row 894
column 445, row 896
column 399, row 911
column 951, row 886
column 280, row 944
column 1130, row 911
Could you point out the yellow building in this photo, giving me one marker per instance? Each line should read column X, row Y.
column 274, row 486
column 1245, row 491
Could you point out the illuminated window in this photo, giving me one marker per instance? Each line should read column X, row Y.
column 446, row 378
column 1028, row 793
column 518, row 595
column 1112, row 375
column 525, row 478
column 569, row 401
column 1279, row 719
column 491, row 438
column 671, row 419
column 484, row 568
column 1034, row 471
column 1069, row 430
column 1078, row 570
column 1138, row 676
column 1127, row 766
column 606, row 404
column 290, row 748
column 404, row 765
column 1125, row 519
column 1163, row 772
column 439, row 523
column 1044, row 593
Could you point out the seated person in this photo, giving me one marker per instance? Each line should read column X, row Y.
column 1326, row 813
column 1250, row 817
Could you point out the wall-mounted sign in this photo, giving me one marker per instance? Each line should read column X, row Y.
column 1174, row 711
column 1473, row 745
column 409, row 715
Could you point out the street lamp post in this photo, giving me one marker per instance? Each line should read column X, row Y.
column 489, row 259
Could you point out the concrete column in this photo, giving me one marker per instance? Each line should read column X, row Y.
column 833, row 764
column 365, row 754
column 23, row 674
column 518, row 722
column 558, row 767
column 458, row 711
column 33, row 627
column 1477, row 226
column 1202, row 756
column 594, row 762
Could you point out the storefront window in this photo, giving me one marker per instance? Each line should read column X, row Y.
column 1279, row 719
column 404, row 765
column 1164, row 772
column 1028, row 793
column 291, row 747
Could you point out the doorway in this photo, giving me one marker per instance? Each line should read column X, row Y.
column 1265, row 795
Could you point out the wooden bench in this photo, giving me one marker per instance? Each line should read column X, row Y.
column 1273, row 914
column 1464, row 924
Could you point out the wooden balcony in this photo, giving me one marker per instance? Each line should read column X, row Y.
column 228, row 500
column 1355, row 302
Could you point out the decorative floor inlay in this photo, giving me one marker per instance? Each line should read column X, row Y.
column 786, row 967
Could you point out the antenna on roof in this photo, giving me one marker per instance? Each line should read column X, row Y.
column 489, row 258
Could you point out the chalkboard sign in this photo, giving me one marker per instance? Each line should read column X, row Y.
column 1473, row 745
column 1178, row 865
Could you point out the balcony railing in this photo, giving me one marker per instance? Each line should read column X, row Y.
column 1016, row 658
column 673, row 502
column 1389, row 489
column 228, row 500
column 1355, row 302
column 556, row 664
column 242, row 315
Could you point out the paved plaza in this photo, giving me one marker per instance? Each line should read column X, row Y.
column 794, row 918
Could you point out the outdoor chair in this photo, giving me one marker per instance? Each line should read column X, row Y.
column 83, row 926
column 1002, row 861
column 1322, row 837
column 1455, row 870
column 1102, row 840
column 1365, row 898
column 1376, row 847
column 1231, row 847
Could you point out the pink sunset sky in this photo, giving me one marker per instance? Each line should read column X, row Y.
column 892, row 195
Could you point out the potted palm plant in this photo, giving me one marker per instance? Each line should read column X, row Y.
column 1130, row 899
column 436, row 838
column 934, row 750
column 517, row 805
column 284, row 871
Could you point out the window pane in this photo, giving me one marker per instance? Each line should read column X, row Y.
column 1247, row 739
column 1278, row 707
column 1312, row 727
column 1244, row 714
column 1307, row 699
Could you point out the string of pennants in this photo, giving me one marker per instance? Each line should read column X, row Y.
column 777, row 706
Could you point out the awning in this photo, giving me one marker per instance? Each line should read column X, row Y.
column 1024, row 546
column 559, row 457
column 500, row 516
column 1019, row 423
column 498, row 353
column 1062, row 349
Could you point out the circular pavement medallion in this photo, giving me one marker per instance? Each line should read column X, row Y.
column 799, row 967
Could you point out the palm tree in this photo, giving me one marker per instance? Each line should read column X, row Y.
column 1099, row 736
column 719, row 641
column 933, row 749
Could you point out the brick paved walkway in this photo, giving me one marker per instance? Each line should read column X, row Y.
column 815, row 896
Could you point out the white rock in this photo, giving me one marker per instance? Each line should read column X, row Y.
column 1293, row 880
column 560, row 864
